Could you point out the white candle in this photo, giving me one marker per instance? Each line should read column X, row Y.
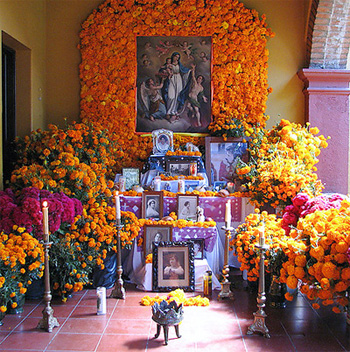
column 117, row 206
column 46, row 221
column 262, row 235
column 228, row 214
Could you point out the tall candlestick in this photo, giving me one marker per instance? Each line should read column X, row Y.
column 228, row 214
column 46, row 221
column 117, row 206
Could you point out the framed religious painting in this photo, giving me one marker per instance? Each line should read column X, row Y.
column 173, row 266
column 152, row 205
column 187, row 206
column 154, row 234
column 222, row 157
column 132, row 177
column 173, row 83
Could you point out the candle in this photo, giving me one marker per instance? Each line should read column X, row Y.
column 157, row 183
column 262, row 235
column 46, row 221
column 228, row 214
column 117, row 206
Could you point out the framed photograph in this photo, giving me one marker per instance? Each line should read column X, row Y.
column 132, row 177
column 173, row 266
column 187, row 206
column 162, row 141
column 198, row 248
column 221, row 158
column 152, row 205
column 173, row 83
column 154, row 234
column 178, row 167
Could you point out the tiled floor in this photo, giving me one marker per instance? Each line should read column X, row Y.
column 221, row 327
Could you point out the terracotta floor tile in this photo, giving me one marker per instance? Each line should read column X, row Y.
column 259, row 343
column 84, row 325
column 74, row 342
column 316, row 342
column 132, row 312
column 220, row 343
column 129, row 326
column 27, row 340
column 122, row 343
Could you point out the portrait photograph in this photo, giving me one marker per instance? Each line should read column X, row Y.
column 153, row 234
column 173, row 266
column 222, row 158
column 162, row 141
column 173, row 83
column 152, row 205
column 178, row 168
column 198, row 248
column 187, row 207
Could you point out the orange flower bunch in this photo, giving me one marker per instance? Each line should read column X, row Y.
column 180, row 152
column 318, row 257
column 107, row 69
column 247, row 236
column 282, row 164
column 172, row 178
column 180, row 223
column 22, row 260
column 177, row 295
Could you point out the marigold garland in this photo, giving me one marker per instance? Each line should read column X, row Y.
column 177, row 295
column 107, row 70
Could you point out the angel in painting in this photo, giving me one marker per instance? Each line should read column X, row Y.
column 152, row 99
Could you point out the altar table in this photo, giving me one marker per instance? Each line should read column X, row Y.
column 214, row 207
column 143, row 276
column 213, row 251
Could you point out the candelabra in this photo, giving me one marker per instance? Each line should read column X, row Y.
column 118, row 290
column 48, row 321
column 225, row 284
column 260, row 315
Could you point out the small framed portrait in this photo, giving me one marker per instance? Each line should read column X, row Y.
column 187, row 207
column 198, row 248
column 178, row 167
column 152, row 205
column 132, row 177
column 222, row 157
column 153, row 234
column 162, row 141
column 173, row 266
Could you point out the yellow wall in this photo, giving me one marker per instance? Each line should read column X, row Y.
column 287, row 19
column 22, row 25
column 51, row 30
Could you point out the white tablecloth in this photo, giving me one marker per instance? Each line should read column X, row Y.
column 143, row 276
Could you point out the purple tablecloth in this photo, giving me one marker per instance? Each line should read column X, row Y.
column 209, row 235
column 214, row 207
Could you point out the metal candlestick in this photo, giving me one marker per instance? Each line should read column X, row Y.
column 118, row 290
column 259, row 316
column 48, row 321
column 225, row 285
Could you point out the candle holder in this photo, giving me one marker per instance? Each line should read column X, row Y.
column 48, row 321
column 260, row 315
column 225, row 285
column 118, row 290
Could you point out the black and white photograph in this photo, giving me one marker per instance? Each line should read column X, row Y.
column 152, row 205
column 187, row 207
column 198, row 248
column 154, row 234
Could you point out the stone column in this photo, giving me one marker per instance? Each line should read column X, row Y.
column 327, row 107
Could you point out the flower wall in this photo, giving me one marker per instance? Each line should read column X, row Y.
column 108, row 65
